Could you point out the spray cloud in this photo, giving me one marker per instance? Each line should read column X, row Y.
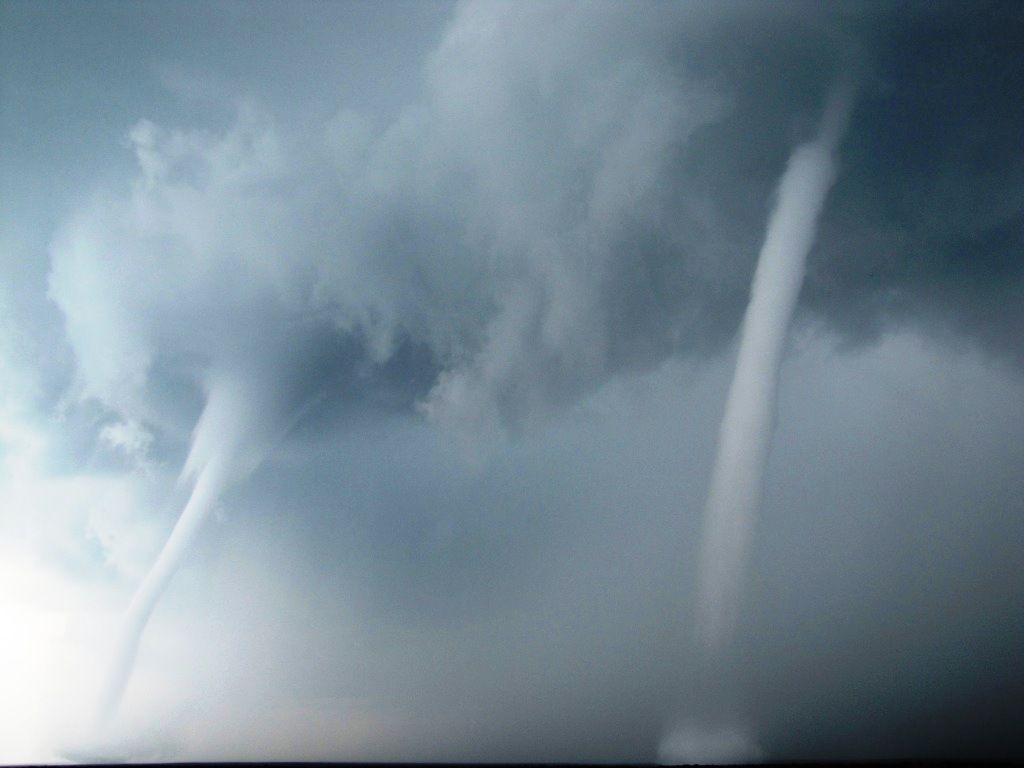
column 746, row 429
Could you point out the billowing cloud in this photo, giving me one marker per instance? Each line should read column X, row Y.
column 578, row 191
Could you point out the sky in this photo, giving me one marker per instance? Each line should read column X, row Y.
column 435, row 307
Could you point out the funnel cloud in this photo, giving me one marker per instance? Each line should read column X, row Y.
column 212, row 464
column 747, row 425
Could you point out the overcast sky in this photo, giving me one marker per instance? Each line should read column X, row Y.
column 453, row 291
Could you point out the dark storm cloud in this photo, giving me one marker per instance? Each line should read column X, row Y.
column 924, row 226
column 579, row 191
column 927, row 222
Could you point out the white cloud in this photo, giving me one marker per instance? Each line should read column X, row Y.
column 129, row 437
column 483, row 222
